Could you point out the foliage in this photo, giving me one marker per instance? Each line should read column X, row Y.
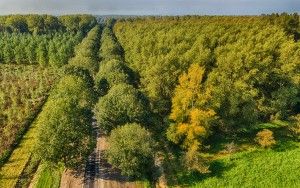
column 123, row 104
column 22, row 92
column 40, row 24
column 110, row 47
column 265, row 138
column 78, row 22
column 252, row 65
column 47, row 49
column 189, row 110
column 86, row 52
column 111, row 73
column 131, row 150
column 66, row 123
column 290, row 23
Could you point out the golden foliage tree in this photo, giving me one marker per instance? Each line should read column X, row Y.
column 190, row 113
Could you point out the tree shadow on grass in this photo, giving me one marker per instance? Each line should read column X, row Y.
column 284, row 140
column 217, row 169
column 285, row 145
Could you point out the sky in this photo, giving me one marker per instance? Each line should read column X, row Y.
column 149, row 7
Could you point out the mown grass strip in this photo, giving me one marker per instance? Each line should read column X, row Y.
column 11, row 171
column 48, row 176
column 28, row 172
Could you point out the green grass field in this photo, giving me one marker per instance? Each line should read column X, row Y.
column 277, row 167
column 256, row 169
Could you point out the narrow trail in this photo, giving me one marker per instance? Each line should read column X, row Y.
column 92, row 166
column 98, row 173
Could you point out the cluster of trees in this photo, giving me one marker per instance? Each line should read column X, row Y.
column 23, row 89
column 208, row 74
column 48, row 49
column 122, row 111
column 86, row 53
column 41, row 24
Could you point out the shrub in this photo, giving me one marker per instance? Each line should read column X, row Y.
column 265, row 138
column 131, row 149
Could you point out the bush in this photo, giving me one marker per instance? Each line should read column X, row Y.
column 123, row 104
column 131, row 149
column 265, row 138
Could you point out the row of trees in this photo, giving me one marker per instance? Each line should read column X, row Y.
column 41, row 24
column 49, row 49
column 208, row 74
column 65, row 122
column 22, row 92
column 86, row 53
column 122, row 111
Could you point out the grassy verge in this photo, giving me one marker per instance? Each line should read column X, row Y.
column 48, row 176
column 5, row 156
column 10, row 172
column 28, row 172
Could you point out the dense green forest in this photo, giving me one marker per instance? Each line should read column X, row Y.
column 210, row 78
column 186, row 101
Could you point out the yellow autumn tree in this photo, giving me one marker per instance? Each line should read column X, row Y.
column 189, row 110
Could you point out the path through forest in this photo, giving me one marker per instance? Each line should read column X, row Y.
column 98, row 173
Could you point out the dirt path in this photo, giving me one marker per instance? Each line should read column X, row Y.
column 71, row 179
column 98, row 173
column 101, row 174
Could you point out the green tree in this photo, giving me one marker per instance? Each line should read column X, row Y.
column 65, row 123
column 41, row 53
column 66, row 133
column 131, row 149
column 16, row 23
column 112, row 73
column 123, row 104
column 35, row 23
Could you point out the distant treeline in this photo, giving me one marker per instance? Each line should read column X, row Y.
column 39, row 24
